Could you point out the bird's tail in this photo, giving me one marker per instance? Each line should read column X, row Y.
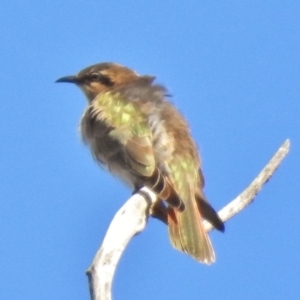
column 187, row 232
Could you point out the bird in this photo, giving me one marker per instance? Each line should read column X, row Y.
column 136, row 133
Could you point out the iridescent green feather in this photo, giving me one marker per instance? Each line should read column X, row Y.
column 130, row 127
column 121, row 114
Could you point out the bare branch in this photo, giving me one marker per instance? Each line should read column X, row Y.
column 131, row 219
column 248, row 195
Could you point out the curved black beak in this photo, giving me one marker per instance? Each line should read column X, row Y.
column 70, row 79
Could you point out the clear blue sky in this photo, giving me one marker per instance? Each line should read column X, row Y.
column 233, row 68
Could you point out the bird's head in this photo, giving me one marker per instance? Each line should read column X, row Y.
column 101, row 77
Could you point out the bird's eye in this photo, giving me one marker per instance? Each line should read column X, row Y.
column 95, row 77
column 101, row 78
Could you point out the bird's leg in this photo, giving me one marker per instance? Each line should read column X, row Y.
column 159, row 211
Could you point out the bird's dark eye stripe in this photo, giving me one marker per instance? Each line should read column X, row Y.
column 107, row 81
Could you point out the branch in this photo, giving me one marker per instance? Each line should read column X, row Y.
column 132, row 218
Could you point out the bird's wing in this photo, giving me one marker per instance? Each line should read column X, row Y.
column 129, row 126
column 139, row 154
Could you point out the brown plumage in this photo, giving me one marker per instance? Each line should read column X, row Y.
column 140, row 136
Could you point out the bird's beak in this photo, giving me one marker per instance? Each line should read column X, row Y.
column 70, row 79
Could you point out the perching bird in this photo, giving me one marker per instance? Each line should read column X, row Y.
column 135, row 132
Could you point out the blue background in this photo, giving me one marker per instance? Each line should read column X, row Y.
column 233, row 68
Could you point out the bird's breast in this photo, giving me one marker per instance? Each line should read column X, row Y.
column 107, row 150
column 95, row 132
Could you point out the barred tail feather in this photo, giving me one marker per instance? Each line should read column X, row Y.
column 160, row 185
